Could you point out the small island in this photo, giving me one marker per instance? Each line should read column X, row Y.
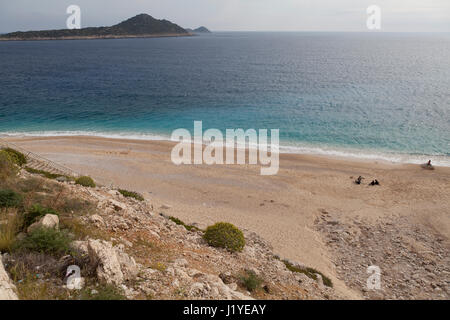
column 199, row 30
column 140, row 26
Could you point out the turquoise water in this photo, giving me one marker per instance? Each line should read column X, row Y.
column 370, row 95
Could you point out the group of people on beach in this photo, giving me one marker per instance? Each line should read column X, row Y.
column 373, row 183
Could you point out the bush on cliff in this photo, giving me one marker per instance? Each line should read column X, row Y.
column 250, row 280
column 45, row 240
column 18, row 157
column 7, row 166
column 225, row 235
column 10, row 199
column 34, row 214
column 131, row 194
column 85, row 181
column 309, row 272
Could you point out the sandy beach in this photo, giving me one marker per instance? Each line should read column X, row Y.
column 284, row 209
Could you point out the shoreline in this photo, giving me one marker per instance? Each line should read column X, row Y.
column 101, row 37
column 283, row 209
column 345, row 154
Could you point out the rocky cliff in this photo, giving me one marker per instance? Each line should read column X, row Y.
column 128, row 244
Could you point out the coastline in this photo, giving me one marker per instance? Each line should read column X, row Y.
column 101, row 37
column 283, row 209
column 350, row 154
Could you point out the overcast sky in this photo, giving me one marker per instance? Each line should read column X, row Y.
column 233, row 15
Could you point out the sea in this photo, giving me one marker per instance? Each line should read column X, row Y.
column 365, row 95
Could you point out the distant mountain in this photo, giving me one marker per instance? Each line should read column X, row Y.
column 198, row 30
column 142, row 25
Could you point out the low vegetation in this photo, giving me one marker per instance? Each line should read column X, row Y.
column 31, row 287
column 8, row 168
column 35, row 213
column 85, row 181
column 131, row 194
column 17, row 157
column 186, row 226
column 10, row 199
column 9, row 226
column 225, row 235
column 45, row 240
column 250, row 280
column 47, row 174
column 35, row 261
column 103, row 292
column 309, row 272
column 74, row 205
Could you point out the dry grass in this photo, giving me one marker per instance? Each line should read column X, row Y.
column 82, row 231
column 32, row 288
column 10, row 223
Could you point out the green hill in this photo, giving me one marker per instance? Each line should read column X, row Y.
column 142, row 25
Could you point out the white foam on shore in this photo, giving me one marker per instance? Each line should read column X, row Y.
column 111, row 135
column 351, row 153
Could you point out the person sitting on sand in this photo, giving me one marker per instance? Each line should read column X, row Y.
column 428, row 165
column 358, row 181
column 374, row 183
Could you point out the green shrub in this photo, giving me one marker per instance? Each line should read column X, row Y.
column 10, row 199
column 104, row 292
column 250, row 280
column 18, row 157
column 85, row 181
column 225, row 235
column 7, row 166
column 45, row 240
column 131, row 194
column 186, row 226
column 35, row 213
column 47, row 174
column 309, row 272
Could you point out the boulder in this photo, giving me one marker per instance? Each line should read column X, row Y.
column 113, row 264
column 7, row 288
column 50, row 221
column 104, row 257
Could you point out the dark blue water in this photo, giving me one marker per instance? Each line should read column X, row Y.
column 367, row 94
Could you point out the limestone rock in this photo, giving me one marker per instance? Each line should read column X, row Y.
column 113, row 264
column 7, row 288
column 103, row 255
column 50, row 221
